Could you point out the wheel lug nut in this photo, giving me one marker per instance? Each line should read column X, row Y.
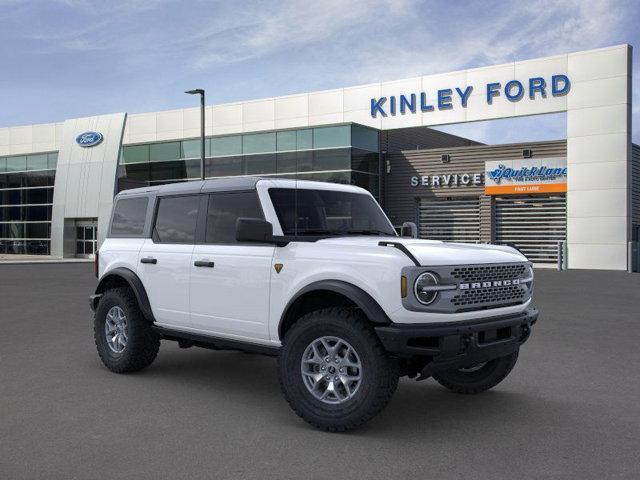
column 327, row 359
column 336, row 378
column 323, row 367
column 337, row 360
column 341, row 370
column 328, row 377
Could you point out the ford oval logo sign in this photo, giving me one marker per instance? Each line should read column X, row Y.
column 89, row 139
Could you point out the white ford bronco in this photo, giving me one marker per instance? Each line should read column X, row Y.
column 315, row 274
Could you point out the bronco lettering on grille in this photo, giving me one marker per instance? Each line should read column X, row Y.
column 488, row 284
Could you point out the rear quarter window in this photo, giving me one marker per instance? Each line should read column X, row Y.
column 176, row 219
column 129, row 216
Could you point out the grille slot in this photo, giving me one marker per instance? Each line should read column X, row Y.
column 488, row 272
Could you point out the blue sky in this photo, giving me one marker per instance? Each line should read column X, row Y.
column 72, row 58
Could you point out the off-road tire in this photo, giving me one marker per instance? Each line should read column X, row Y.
column 379, row 372
column 142, row 344
column 478, row 381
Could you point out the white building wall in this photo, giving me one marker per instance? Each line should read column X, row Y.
column 28, row 139
column 599, row 158
column 85, row 177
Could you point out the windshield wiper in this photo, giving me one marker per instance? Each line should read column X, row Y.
column 369, row 232
column 316, row 231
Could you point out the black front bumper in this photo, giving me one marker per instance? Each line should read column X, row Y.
column 459, row 344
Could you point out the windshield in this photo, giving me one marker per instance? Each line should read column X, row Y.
column 328, row 212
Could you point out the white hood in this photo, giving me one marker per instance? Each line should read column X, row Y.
column 433, row 252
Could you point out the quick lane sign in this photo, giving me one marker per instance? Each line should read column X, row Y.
column 445, row 99
column 526, row 175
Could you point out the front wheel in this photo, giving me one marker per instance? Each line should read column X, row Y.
column 124, row 339
column 333, row 370
column 478, row 378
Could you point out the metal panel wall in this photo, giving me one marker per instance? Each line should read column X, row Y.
column 400, row 197
column 416, row 138
column 455, row 220
column 533, row 224
column 635, row 184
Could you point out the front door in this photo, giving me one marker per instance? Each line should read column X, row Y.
column 164, row 262
column 230, row 280
column 86, row 238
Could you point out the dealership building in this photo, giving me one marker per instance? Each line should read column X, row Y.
column 572, row 202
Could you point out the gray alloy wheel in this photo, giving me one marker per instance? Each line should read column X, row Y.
column 116, row 330
column 331, row 370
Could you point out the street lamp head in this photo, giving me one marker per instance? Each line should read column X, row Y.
column 197, row 91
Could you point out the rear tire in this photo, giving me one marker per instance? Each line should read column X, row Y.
column 124, row 338
column 349, row 402
column 472, row 381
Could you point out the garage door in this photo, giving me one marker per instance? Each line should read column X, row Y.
column 450, row 220
column 534, row 224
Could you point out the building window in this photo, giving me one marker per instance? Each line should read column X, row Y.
column 259, row 143
column 26, row 197
column 162, row 152
column 328, row 137
column 281, row 153
column 86, row 239
column 223, row 146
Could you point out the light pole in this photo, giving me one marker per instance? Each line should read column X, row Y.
column 200, row 91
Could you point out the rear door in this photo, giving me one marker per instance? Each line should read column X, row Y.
column 164, row 263
column 230, row 280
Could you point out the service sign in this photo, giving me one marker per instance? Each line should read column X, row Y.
column 526, row 175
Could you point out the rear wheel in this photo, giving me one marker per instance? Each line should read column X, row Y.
column 477, row 378
column 333, row 370
column 124, row 338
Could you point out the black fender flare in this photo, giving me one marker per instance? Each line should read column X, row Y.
column 362, row 299
column 134, row 283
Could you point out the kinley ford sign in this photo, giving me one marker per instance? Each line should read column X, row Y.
column 504, row 177
column 445, row 99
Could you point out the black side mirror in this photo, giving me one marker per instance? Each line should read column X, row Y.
column 409, row 229
column 254, row 230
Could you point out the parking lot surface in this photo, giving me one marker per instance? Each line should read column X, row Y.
column 570, row 408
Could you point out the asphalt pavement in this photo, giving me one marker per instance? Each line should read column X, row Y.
column 570, row 408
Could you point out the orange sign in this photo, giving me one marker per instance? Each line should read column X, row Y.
column 515, row 189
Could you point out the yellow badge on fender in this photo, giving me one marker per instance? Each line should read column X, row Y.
column 278, row 267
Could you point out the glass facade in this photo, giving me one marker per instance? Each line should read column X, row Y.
column 341, row 154
column 26, row 198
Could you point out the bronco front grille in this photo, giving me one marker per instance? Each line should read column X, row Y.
column 479, row 273
column 494, row 296
column 467, row 288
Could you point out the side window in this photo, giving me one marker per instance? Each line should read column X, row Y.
column 176, row 219
column 128, row 216
column 223, row 211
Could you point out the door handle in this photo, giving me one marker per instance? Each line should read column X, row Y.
column 149, row 260
column 203, row 263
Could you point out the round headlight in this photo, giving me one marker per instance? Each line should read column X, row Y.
column 421, row 288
